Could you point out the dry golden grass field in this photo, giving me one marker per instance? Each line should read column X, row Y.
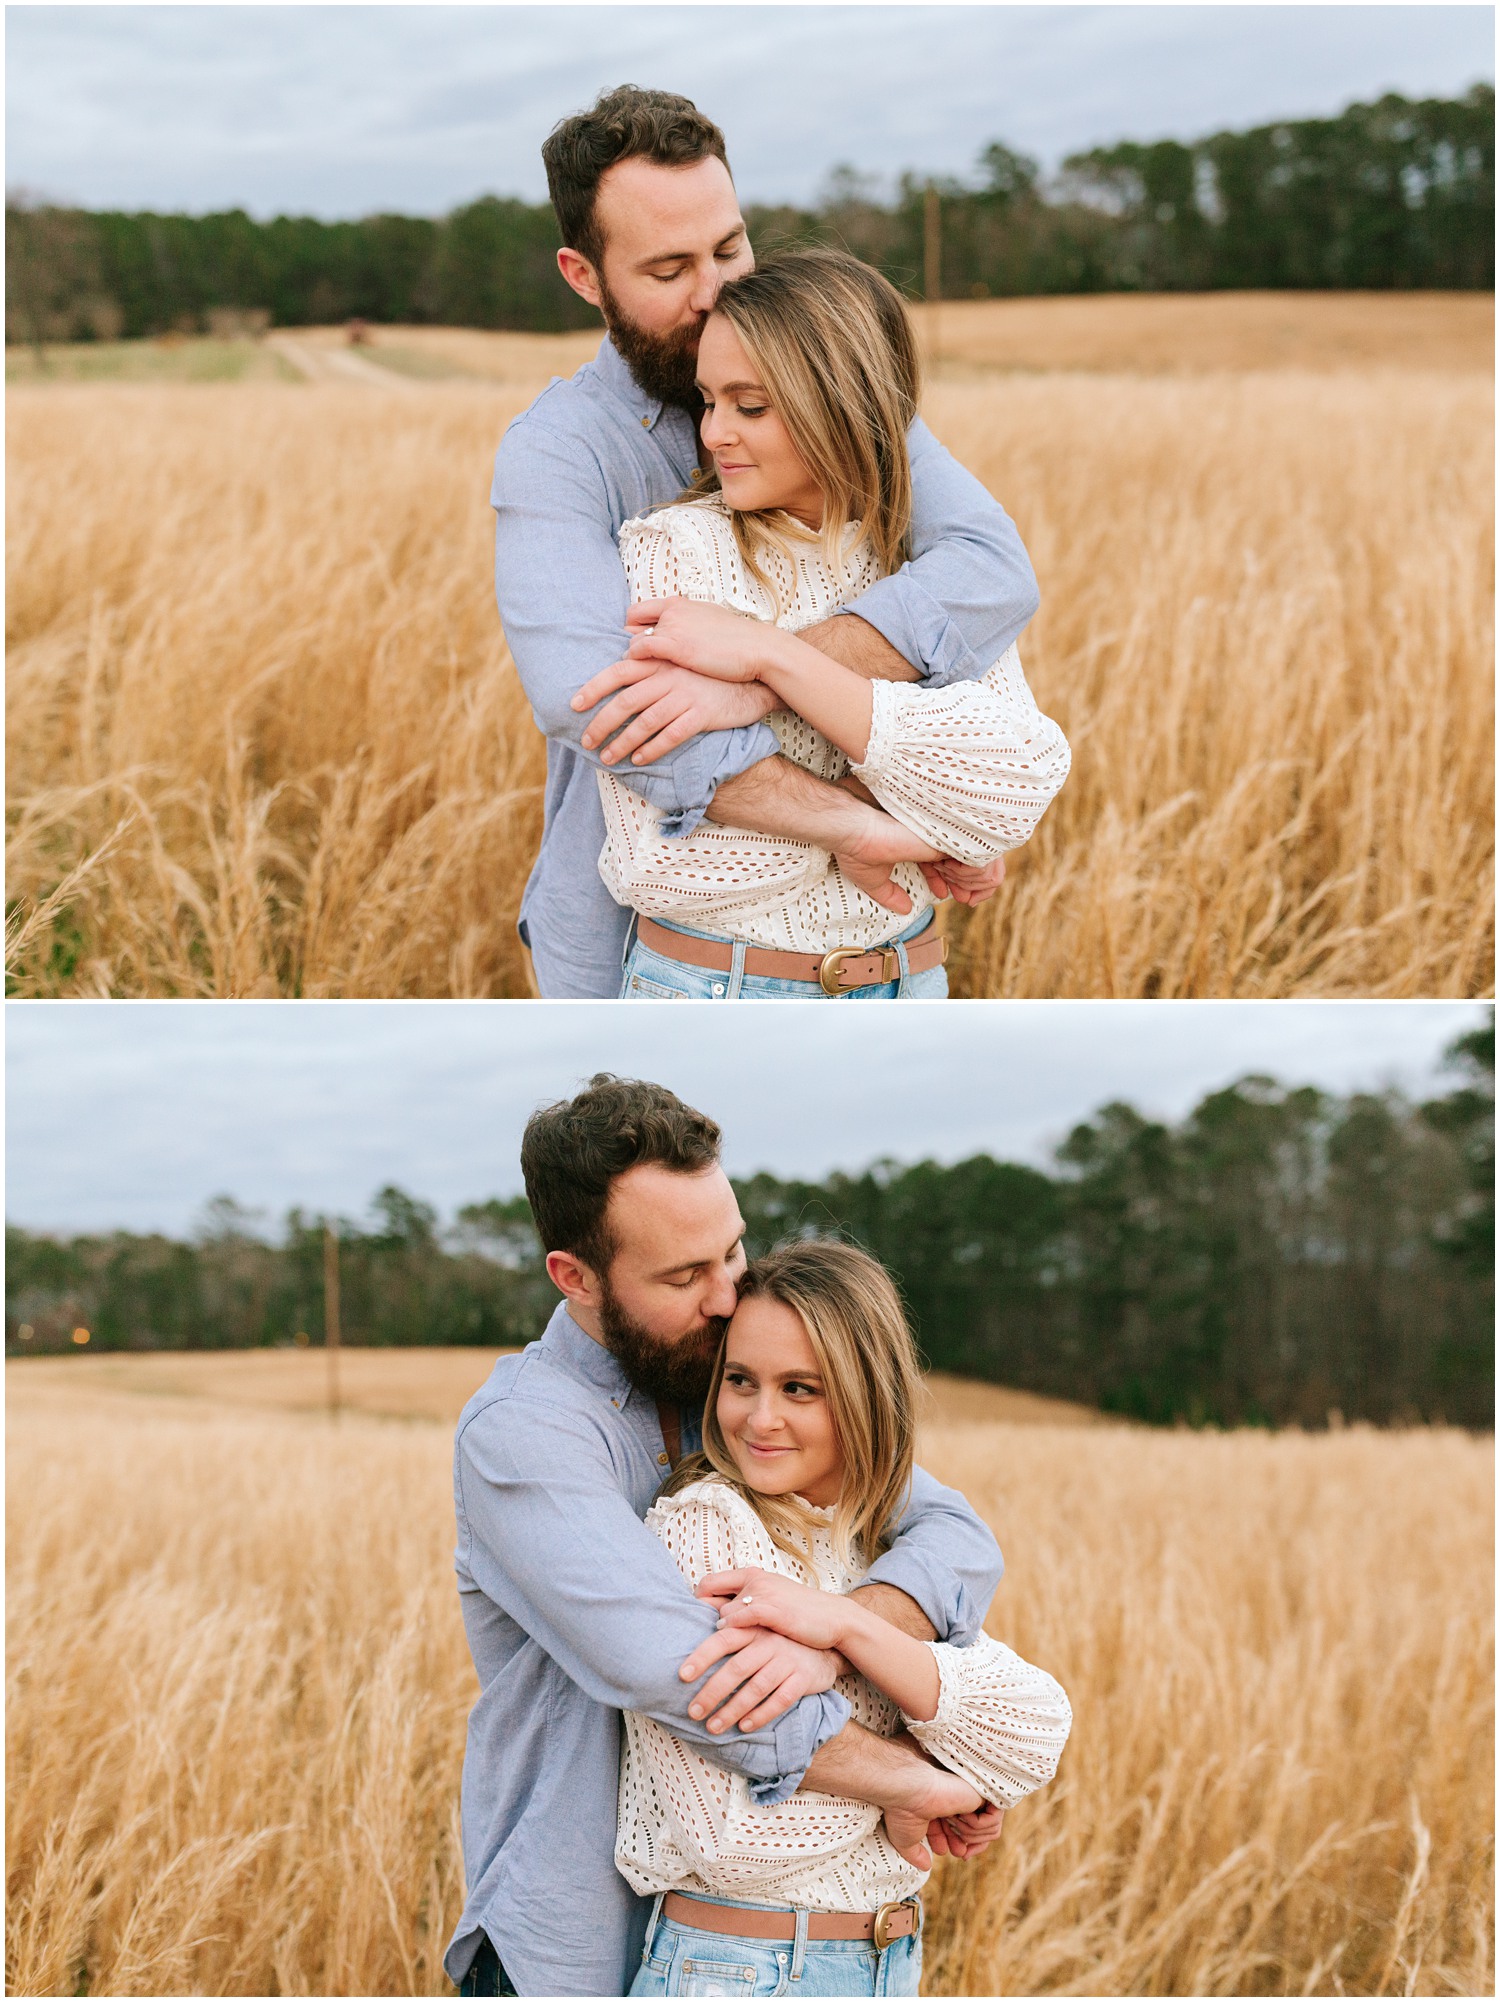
column 237, row 1686
column 264, row 737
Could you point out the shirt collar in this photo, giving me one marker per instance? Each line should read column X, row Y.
column 614, row 373
column 566, row 1344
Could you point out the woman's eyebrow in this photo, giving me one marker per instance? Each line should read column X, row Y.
column 781, row 1376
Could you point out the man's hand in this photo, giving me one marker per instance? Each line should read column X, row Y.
column 659, row 706
column 968, row 883
column 873, row 844
column 763, row 1675
column 906, row 1829
column 916, row 1831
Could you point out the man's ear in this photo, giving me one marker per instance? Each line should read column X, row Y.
column 580, row 274
column 572, row 1278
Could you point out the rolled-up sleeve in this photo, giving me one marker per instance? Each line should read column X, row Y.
column 968, row 591
column 945, row 1558
column 546, row 1533
column 563, row 597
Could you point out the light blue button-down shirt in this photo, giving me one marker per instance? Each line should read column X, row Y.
column 574, row 1612
column 571, row 471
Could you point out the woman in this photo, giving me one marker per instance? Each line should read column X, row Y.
column 808, row 368
column 807, row 1454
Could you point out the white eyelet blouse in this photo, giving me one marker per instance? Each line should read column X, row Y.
column 970, row 767
column 686, row 1824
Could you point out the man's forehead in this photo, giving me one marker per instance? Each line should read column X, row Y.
column 651, row 210
column 661, row 1213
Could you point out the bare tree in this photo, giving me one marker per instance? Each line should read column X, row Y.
column 53, row 286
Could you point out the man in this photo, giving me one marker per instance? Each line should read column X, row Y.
column 574, row 1611
column 651, row 228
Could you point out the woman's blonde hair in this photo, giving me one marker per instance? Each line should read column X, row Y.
column 834, row 347
column 849, row 1305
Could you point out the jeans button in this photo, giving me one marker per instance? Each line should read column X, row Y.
column 718, row 987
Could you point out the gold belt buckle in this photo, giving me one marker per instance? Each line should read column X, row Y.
column 882, row 1936
column 828, row 972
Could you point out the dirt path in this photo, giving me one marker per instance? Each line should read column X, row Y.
column 319, row 364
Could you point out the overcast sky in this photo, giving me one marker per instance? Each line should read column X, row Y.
column 134, row 1114
column 346, row 110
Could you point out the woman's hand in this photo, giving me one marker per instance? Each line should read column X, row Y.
column 710, row 639
column 752, row 1598
column 966, row 1835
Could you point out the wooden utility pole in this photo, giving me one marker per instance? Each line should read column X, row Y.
column 932, row 265
column 331, row 1314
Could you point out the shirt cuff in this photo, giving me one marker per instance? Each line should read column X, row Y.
column 885, row 707
column 950, row 1701
column 951, row 1611
column 797, row 1736
column 919, row 628
column 683, row 792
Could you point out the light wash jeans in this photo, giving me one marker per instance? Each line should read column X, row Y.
column 649, row 976
column 681, row 1960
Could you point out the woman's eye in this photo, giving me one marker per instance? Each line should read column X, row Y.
column 745, row 410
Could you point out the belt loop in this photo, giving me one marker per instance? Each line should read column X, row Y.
column 905, row 966
column 651, row 1926
column 799, row 1945
column 736, row 971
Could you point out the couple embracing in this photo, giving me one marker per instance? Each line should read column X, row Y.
column 734, row 1685
column 766, row 623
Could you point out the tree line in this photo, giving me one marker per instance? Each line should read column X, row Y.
column 1280, row 1254
column 1399, row 194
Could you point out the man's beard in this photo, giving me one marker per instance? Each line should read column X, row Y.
column 665, row 366
column 672, row 1373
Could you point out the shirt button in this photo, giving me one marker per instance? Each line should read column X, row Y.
column 646, row 422
column 661, row 1459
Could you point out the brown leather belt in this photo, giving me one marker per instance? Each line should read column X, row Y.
column 835, row 972
column 893, row 1921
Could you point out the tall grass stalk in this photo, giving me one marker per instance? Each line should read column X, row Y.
column 265, row 739
column 237, row 1686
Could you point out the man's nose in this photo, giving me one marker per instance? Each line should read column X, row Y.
column 722, row 1297
column 707, row 278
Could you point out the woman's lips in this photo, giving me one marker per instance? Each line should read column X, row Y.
column 767, row 1452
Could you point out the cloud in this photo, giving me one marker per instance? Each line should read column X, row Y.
column 135, row 1114
column 347, row 110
